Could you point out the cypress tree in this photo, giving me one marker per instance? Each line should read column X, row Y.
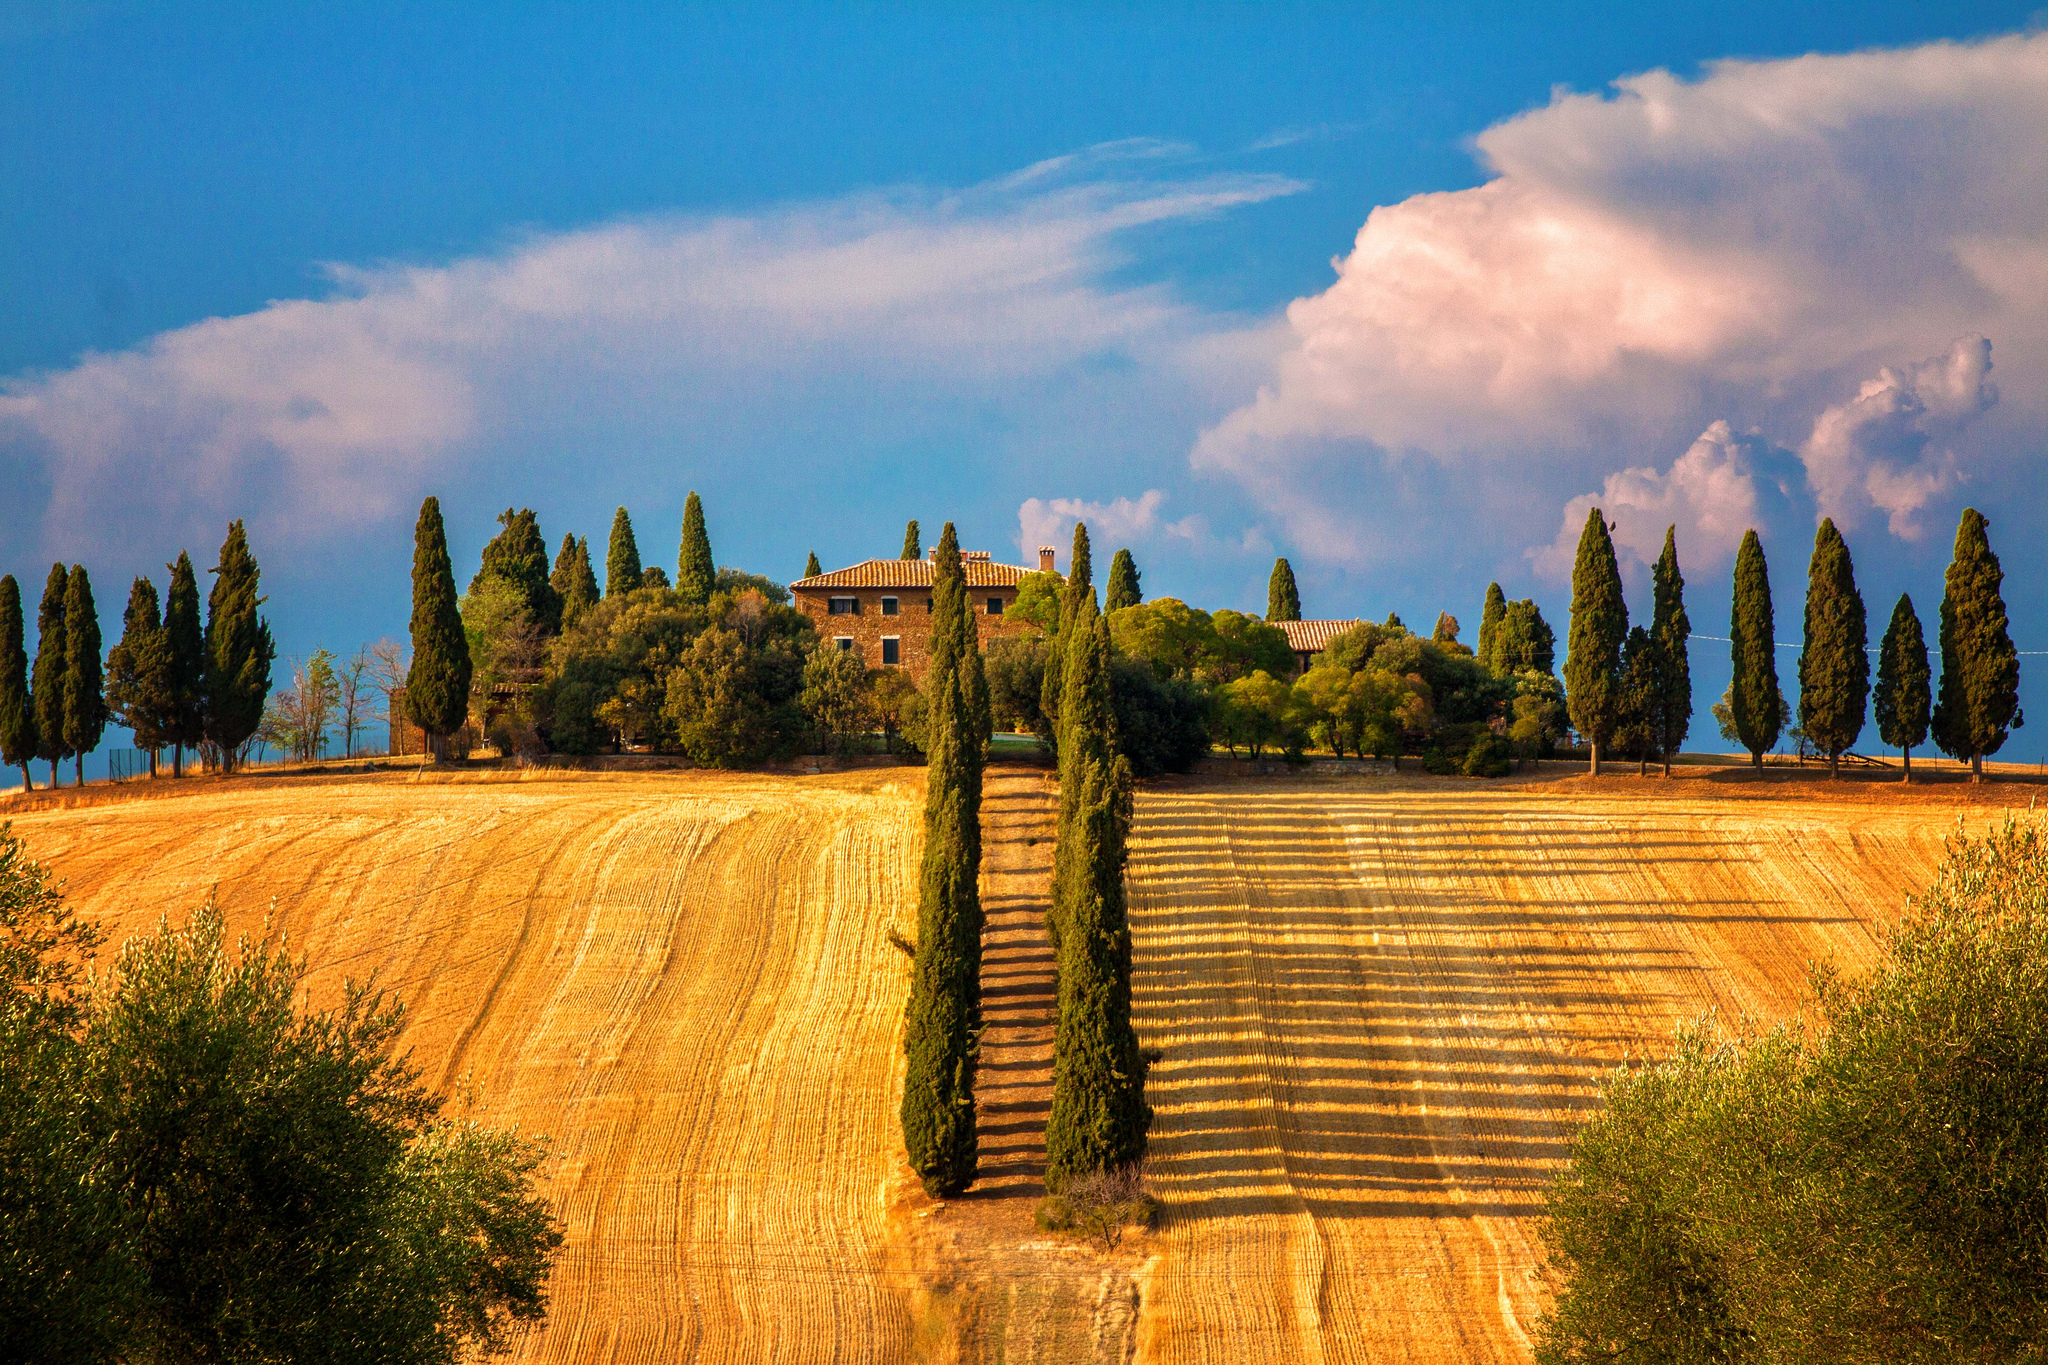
column 911, row 548
column 17, row 707
column 85, row 701
column 1099, row 1117
column 1672, row 630
column 942, row 1015
column 1080, row 584
column 238, row 650
column 696, row 575
column 621, row 559
column 1446, row 632
column 137, row 672
column 1490, row 618
column 437, row 688
column 1753, row 697
column 1283, row 601
column 185, row 662
column 811, row 566
column 1903, row 695
column 51, row 683
column 1834, row 669
column 654, row 576
column 1122, row 589
column 573, row 582
column 518, row 558
column 1638, row 705
column 1980, row 673
column 1592, row 665
column 1524, row 641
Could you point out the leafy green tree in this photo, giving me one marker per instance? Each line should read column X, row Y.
column 1834, row 667
column 622, row 558
column 738, row 582
column 1592, row 668
column 1536, row 715
column 51, row 684
column 1525, row 641
column 1754, row 702
column 85, row 702
column 239, row 651
column 1122, row 588
column 835, row 696
column 1039, row 596
column 1256, row 711
column 1672, row 630
column 1490, row 618
column 1861, row 1185
column 654, row 576
column 1283, row 599
column 1244, row 645
column 696, row 573
column 1080, row 584
column 1638, row 706
column 1099, row 1117
column 185, row 724
column 573, row 581
column 518, row 558
column 732, row 697
column 437, row 687
column 1980, row 672
column 811, row 566
column 911, row 548
column 17, row 707
column 1903, row 695
column 942, row 1016
column 1446, row 632
column 138, row 671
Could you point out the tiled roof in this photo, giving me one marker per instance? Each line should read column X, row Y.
column 913, row 573
column 1312, row 637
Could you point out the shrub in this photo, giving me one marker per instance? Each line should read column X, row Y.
column 1872, row 1189
column 1101, row 1205
column 1489, row 756
column 1161, row 727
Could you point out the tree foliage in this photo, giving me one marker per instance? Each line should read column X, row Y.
column 1122, row 589
column 518, row 558
column 17, row 707
column 85, row 701
column 185, row 638
column 1834, row 667
column 811, row 566
column 621, row 557
column 912, row 549
column 239, row 650
column 1671, row 629
column 1978, row 703
column 1754, row 702
column 1080, row 584
column 51, row 682
column 1903, row 696
column 1525, row 642
column 1283, row 599
column 1874, row 1189
column 437, row 687
column 942, row 1018
column 138, row 686
column 1592, row 667
column 696, row 571
column 1490, row 617
column 573, row 580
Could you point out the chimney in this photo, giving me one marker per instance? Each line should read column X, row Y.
column 1045, row 559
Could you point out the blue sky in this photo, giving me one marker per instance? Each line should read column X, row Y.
column 841, row 266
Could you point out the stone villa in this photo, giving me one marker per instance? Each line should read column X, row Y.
column 881, row 609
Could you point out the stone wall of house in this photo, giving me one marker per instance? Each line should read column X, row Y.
column 911, row 625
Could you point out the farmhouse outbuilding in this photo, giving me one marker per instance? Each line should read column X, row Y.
column 1310, row 638
column 881, row 609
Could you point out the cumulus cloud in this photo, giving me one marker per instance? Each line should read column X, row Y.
column 1747, row 245
column 1043, row 521
column 1883, row 449
column 1711, row 494
column 338, row 410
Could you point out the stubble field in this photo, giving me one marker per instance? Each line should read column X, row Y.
column 1381, row 1005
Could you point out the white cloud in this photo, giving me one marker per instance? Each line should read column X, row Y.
column 1744, row 246
column 1710, row 495
column 338, row 411
column 1883, row 449
column 1043, row 521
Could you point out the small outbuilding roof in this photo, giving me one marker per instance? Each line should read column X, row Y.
column 981, row 572
column 1312, row 637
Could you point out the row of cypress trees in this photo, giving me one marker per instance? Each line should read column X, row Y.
column 175, row 684
column 1099, row 1117
column 1613, row 671
column 696, row 572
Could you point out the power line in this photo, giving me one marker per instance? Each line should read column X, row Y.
column 1867, row 649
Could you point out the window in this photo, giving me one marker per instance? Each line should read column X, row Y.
column 892, row 649
column 845, row 643
column 845, row 606
column 995, row 606
column 888, row 606
column 926, row 606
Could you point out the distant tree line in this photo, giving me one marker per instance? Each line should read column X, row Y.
column 176, row 683
column 1632, row 688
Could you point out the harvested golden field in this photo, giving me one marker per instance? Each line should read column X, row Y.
column 1384, row 1005
column 682, row 979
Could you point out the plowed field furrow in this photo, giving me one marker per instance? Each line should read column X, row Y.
column 1383, row 1007
column 683, row 980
